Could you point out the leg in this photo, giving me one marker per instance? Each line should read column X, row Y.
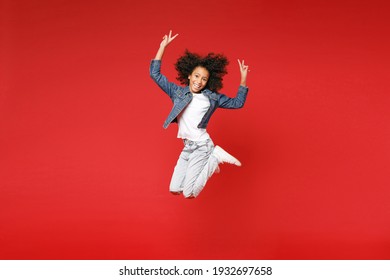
column 201, row 166
column 208, row 170
column 176, row 185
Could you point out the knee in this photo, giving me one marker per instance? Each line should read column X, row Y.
column 175, row 193
column 188, row 195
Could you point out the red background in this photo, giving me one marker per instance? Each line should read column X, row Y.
column 85, row 163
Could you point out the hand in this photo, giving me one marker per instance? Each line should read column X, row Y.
column 165, row 42
column 244, row 71
column 167, row 39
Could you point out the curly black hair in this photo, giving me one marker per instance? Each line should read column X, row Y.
column 214, row 63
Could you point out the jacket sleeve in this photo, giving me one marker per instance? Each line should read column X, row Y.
column 162, row 81
column 233, row 103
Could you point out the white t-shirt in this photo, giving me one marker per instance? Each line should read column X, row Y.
column 191, row 116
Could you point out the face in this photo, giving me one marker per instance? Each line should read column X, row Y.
column 198, row 79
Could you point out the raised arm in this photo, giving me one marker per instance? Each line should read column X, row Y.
column 244, row 72
column 155, row 66
column 237, row 102
column 167, row 39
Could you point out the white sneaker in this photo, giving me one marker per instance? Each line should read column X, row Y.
column 224, row 156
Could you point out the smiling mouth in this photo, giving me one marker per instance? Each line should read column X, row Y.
column 197, row 86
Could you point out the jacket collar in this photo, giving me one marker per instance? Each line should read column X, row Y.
column 205, row 92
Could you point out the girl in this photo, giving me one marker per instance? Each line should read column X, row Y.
column 193, row 106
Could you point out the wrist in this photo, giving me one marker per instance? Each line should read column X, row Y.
column 160, row 53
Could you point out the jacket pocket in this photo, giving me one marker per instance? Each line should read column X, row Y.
column 179, row 96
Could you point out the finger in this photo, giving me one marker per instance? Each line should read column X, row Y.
column 239, row 63
column 174, row 36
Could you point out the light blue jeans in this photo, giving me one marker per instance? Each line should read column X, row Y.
column 194, row 167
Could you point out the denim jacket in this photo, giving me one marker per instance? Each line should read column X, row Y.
column 181, row 97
